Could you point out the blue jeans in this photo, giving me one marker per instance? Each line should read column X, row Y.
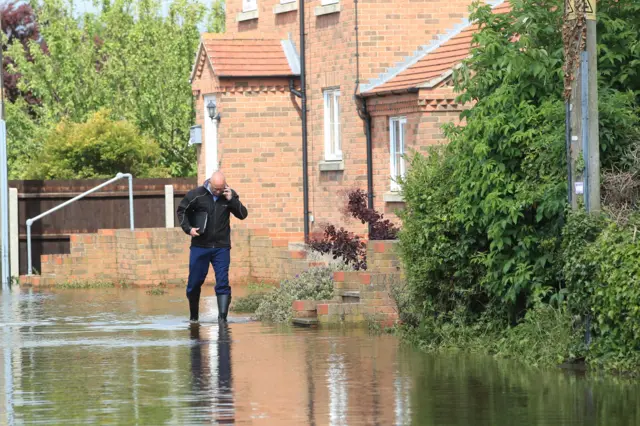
column 199, row 260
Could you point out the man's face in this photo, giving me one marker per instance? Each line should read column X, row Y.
column 217, row 188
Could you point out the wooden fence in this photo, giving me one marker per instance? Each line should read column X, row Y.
column 104, row 209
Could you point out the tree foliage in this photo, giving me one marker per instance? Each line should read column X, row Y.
column 128, row 57
column 484, row 218
column 217, row 21
column 98, row 148
column 19, row 25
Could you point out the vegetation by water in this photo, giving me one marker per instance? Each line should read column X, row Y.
column 157, row 291
column 250, row 303
column 82, row 284
column 494, row 260
column 313, row 284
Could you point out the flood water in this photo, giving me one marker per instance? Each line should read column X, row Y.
column 120, row 356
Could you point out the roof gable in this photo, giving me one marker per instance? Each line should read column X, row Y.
column 433, row 63
column 246, row 57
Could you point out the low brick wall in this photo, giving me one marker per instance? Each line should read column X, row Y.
column 359, row 296
column 155, row 256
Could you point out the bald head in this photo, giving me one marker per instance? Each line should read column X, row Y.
column 218, row 179
column 217, row 183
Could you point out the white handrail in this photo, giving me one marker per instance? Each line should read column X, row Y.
column 66, row 203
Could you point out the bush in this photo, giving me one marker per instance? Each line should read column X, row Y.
column 381, row 228
column 435, row 249
column 602, row 272
column 313, row 284
column 482, row 240
column 347, row 246
column 546, row 336
column 98, row 148
column 487, row 214
column 344, row 245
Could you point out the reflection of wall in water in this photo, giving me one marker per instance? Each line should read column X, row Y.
column 337, row 383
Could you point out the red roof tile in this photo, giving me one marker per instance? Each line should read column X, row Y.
column 246, row 57
column 437, row 62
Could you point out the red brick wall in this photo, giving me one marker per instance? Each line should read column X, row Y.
column 161, row 256
column 261, row 154
column 389, row 32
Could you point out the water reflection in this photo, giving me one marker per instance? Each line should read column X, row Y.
column 122, row 357
column 338, row 393
column 212, row 385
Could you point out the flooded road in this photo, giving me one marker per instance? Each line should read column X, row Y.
column 121, row 356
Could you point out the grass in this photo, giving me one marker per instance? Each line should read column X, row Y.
column 158, row 290
column 249, row 303
column 545, row 337
column 79, row 284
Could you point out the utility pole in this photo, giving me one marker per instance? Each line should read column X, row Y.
column 593, row 128
column 584, row 119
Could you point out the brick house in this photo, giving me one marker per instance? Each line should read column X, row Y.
column 388, row 60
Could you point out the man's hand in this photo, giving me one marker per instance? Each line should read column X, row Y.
column 194, row 232
column 228, row 193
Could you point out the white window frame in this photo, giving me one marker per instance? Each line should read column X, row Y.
column 249, row 5
column 287, row 1
column 328, row 2
column 332, row 95
column 395, row 186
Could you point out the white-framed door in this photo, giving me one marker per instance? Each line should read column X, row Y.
column 210, row 139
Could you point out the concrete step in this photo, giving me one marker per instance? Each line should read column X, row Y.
column 305, row 322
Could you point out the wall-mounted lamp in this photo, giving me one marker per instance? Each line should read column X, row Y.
column 212, row 108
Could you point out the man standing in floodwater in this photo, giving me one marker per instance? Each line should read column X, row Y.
column 204, row 213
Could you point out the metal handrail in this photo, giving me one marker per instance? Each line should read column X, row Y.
column 66, row 203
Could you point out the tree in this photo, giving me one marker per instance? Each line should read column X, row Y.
column 127, row 57
column 217, row 17
column 19, row 26
column 489, row 225
column 99, row 148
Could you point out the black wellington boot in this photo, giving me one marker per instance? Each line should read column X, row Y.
column 224, row 300
column 194, row 308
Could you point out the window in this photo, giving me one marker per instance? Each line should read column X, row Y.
column 397, row 131
column 249, row 5
column 287, row 1
column 332, row 144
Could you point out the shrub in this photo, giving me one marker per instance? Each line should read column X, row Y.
column 484, row 216
column 98, row 148
column 347, row 246
column 381, row 229
column 342, row 244
column 546, row 336
column 602, row 272
column 313, row 284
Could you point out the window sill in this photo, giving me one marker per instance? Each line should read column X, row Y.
column 247, row 16
column 331, row 166
column 327, row 9
column 285, row 7
column 393, row 197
